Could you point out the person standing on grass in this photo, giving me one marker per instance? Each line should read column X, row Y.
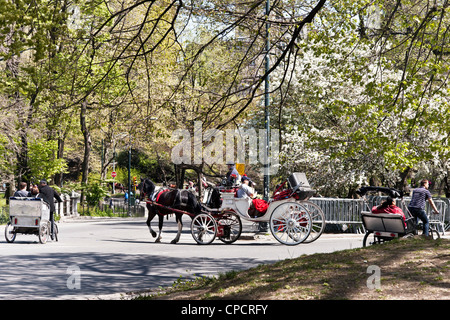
column 417, row 205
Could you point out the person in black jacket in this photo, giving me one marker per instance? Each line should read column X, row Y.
column 48, row 194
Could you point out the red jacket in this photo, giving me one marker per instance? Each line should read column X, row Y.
column 390, row 209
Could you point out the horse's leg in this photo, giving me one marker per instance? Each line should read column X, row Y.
column 178, row 217
column 160, row 225
column 151, row 215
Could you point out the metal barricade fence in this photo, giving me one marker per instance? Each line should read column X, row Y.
column 447, row 213
column 340, row 211
column 348, row 211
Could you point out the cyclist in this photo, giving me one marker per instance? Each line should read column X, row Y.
column 417, row 205
column 48, row 194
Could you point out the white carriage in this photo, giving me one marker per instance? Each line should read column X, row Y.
column 291, row 217
column 28, row 216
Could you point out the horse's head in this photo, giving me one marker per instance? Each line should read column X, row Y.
column 146, row 188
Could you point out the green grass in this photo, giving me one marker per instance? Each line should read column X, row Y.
column 410, row 269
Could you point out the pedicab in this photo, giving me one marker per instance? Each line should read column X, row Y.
column 383, row 227
column 28, row 215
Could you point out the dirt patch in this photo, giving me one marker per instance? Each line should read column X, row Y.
column 406, row 269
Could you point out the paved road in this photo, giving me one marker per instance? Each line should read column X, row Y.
column 99, row 257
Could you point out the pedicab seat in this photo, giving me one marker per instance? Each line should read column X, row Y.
column 386, row 223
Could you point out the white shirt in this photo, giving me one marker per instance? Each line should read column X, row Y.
column 244, row 191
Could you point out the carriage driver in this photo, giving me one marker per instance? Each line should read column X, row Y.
column 232, row 173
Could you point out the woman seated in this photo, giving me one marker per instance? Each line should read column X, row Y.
column 388, row 206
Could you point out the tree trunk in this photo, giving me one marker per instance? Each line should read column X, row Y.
column 87, row 146
column 403, row 183
column 23, row 169
column 59, row 176
column 446, row 186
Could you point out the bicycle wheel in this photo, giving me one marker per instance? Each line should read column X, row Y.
column 434, row 234
column 44, row 233
column 290, row 223
column 317, row 221
column 203, row 228
column 10, row 234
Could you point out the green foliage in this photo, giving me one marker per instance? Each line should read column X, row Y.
column 42, row 161
column 367, row 98
column 94, row 193
column 368, row 94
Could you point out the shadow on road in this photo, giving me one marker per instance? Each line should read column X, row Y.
column 46, row 276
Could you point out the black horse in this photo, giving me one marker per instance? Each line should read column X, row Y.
column 170, row 199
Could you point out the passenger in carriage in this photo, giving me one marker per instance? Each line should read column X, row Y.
column 34, row 191
column 388, row 206
column 22, row 192
column 245, row 191
column 257, row 207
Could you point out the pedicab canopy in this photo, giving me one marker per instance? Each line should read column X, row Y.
column 391, row 192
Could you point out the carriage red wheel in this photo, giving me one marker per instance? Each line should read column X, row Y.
column 230, row 226
column 290, row 223
column 317, row 221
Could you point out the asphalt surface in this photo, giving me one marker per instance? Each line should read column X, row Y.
column 104, row 258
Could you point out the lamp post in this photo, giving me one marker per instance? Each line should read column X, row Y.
column 129, row 178
column 263, row 225
column 121, row 136
column 266, row 108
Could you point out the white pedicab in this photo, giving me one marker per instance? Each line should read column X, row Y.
column 28, row 216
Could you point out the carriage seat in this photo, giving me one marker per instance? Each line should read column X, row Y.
column 229, row 201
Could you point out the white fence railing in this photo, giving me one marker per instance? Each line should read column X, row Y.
column 69, row 205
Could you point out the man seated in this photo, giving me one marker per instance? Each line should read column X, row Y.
column 388, row 206
column 257, row 207
column 245, row 191
column 22, row 192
